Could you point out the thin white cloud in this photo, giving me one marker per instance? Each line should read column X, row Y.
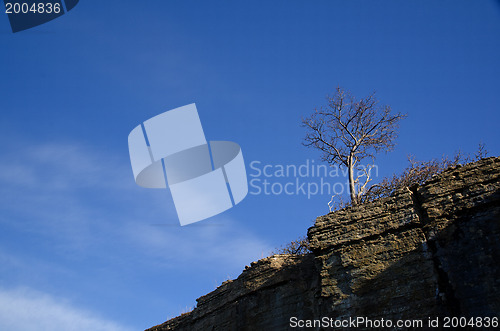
column 27, row 309
column 222, row 244
column 53, row 166
column 61, row 190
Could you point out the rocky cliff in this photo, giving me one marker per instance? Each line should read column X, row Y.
column 429, row 251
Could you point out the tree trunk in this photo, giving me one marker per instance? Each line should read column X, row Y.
column 352, row 189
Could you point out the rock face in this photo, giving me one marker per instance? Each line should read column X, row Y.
column 261, row 298
column 428, row 251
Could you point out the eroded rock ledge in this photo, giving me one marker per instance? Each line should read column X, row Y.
column 430, row 250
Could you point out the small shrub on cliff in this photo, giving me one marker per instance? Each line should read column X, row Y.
column 417, row 172
column 299, row 246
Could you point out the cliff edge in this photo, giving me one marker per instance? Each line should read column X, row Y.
column 428, row 251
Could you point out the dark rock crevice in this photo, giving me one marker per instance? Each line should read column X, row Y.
column 445, row 294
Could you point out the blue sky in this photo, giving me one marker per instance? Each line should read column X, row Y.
column 82, row 247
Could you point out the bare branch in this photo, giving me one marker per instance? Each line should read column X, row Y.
column 299, row 246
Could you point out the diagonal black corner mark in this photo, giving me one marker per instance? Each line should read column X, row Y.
column 26, row 14
column 70, row 4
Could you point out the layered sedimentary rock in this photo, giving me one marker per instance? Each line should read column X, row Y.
column 427, row 251
column 263, row 297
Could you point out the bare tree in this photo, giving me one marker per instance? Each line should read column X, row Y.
column 348, row 130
